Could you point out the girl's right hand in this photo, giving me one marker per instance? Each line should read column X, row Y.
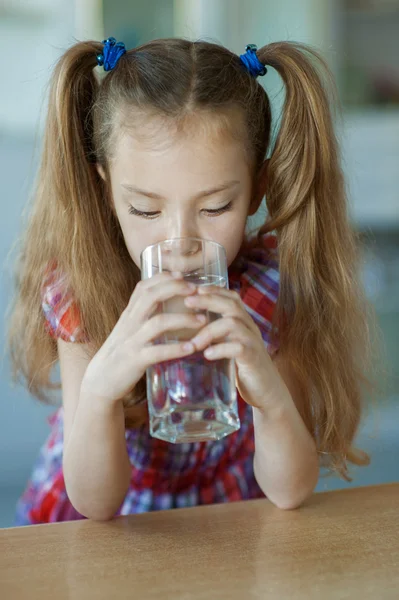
column 129, row 350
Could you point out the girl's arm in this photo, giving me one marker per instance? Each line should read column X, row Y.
column 286, row 463
column 95, row 463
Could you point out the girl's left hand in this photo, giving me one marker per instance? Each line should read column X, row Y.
column 236, row 335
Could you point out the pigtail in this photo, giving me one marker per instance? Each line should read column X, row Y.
column 71, row 155
column 322, row 315
column 322, row 312
column 71, row 203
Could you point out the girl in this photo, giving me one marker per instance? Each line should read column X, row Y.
column 172, row 141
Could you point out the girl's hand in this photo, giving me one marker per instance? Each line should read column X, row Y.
column 236, row 335
column 125, row 355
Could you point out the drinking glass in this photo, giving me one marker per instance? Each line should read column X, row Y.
column 190, row 399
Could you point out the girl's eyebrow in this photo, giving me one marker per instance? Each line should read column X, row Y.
column 221, row 188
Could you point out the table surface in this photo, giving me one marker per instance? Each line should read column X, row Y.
column 341, row 544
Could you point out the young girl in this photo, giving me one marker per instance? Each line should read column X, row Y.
column 171, row 141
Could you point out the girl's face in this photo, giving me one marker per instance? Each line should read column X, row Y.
column 193, row 183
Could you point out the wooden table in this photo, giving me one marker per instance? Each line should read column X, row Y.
column 339, row 545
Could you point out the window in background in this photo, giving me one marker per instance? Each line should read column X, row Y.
column 370, row 68
column 368, row 76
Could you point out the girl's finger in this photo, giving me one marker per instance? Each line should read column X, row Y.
column 225, row 350
column 167, row 322
column 216, row 290
column 146, row 302
column 204, row 290
column 233, row 327
column 224, row 302
column 167, row 290
column 228, row 306
column 150, row 355
column 147, row 284
column 215, row 303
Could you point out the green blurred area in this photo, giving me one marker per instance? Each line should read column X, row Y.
column 359, row 40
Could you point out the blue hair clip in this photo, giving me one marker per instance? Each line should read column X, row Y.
column 251, row 62
column 112, row 52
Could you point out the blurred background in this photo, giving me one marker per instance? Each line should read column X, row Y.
column 360, row 41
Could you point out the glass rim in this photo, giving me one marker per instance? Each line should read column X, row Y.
column 197, row 239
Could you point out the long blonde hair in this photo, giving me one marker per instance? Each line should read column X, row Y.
column 322, row 314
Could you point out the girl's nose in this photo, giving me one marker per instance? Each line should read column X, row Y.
column 184, row 227
column 183, row 247
column 189, row 246
column 182, row 254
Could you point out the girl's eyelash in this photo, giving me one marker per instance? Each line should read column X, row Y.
column 139, row 213
column 219, row 211
column 152, row 215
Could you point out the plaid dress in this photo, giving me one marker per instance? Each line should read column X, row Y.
column 163, row 475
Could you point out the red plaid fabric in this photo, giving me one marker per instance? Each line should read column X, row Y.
column 163, row 475
column 60, row 310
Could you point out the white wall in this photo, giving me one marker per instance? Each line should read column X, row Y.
column 136, row 21
column 370, row 141
column 235, row 24
column 257, row 21
column 33, row 34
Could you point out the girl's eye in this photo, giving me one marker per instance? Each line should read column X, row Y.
column 139, row 213
column 218, row 211
column 154, row 214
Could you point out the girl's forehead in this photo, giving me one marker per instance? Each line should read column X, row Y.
column 216, row 143
column 181, row 155
column 157, row 133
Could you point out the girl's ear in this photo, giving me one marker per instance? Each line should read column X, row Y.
column 259, row 189
column 101, row 171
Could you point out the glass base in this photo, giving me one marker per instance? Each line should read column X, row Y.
column 194, row 425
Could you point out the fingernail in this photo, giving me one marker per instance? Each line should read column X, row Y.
column 201, row 318
column 188, row 347
column 177, row 274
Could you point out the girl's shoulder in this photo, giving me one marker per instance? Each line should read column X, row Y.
column 254, row 274
column 257, row 268
column 62, row 315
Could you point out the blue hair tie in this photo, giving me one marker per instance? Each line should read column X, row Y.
column 251, row 62
column 112, row 52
